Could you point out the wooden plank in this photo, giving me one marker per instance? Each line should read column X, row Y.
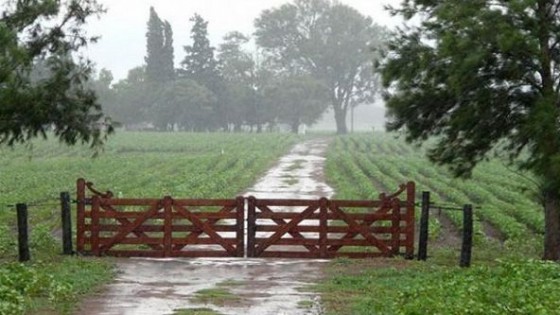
column 128, row 202
column 160, row 254
column 230, row 203
column 135, row 253
column 287, row 254
column 287, row 202
column 167, row 225
column 359, row 254
column 95, row 226
column 159, row 228
column 251, row 226
column 284, row 229
column 396, row 235
column 240, row 211
column 105, row 241
column 323, row 226
column 330, row 229
column 334, row 242
column 205, row 227
column 410, row 219
column 355, row 216
column 136, row 214
column 204, row 241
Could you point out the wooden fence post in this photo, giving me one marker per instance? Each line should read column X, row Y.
column 66, row 223
column 424, row 225
column 466, row 247
column 23, row 236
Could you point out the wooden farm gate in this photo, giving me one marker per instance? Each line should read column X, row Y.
column 216, row 228
column 332, row 228
column 158, row 227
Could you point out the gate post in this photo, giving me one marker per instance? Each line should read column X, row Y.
column 251, row 226
column 410, row 219
column 423, row 237
column 466, row 247
column 66, row 223
column 240, row 223
column 23, row 236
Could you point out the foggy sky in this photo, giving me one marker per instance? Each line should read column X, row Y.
column 122, row 29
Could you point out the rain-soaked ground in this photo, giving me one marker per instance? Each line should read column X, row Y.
column 242, row 285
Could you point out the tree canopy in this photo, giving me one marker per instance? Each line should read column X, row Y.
column 43, row 79
column 479, row 75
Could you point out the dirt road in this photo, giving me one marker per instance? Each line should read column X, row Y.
column 228, row 285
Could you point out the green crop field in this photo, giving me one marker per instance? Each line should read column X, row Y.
column 361, row 166
column 132, row 165
column 509, row 221
column 506, row 277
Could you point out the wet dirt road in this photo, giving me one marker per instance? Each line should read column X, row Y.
column 249, row 286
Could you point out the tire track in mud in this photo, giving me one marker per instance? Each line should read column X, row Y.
column 259, row 286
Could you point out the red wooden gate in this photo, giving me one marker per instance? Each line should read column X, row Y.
column 332, row 228
column 158, row 227
column 215, row 228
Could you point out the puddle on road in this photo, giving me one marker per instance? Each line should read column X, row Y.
column 264, row 286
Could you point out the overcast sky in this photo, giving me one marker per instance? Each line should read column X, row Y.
column 122, row 29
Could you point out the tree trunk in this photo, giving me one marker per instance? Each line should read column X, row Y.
column 552, row 225
column 340, row 117
column 295, row 128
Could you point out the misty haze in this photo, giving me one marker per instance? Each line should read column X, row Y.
column 279, row 157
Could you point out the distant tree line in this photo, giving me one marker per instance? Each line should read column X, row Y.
column 311, row 55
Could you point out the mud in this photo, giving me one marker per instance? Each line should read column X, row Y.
column 263, row 286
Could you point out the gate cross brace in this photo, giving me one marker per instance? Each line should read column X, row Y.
column 383, row 208
column 155, row 208
column 125, row 222
column 205, row 227
column 195, row 234
column 360, row 228
column 294, row 234
column 284, row 229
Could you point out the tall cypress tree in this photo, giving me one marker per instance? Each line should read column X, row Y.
column 168, row 67
column 159, row 46
column 199, row 63
column 201, row 66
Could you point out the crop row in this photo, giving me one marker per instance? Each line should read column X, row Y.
column 137, row 165
column 370, row 162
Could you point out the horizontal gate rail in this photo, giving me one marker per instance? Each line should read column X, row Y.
column 298, row 228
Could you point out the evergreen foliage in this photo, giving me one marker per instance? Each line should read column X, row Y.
column 477, row 75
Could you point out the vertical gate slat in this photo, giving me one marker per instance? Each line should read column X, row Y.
column 323, row 225
column 80, row 215
column 395, row 226
column 167, row 225
column 251, row 228
column 240, row 224
column 95, row 226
